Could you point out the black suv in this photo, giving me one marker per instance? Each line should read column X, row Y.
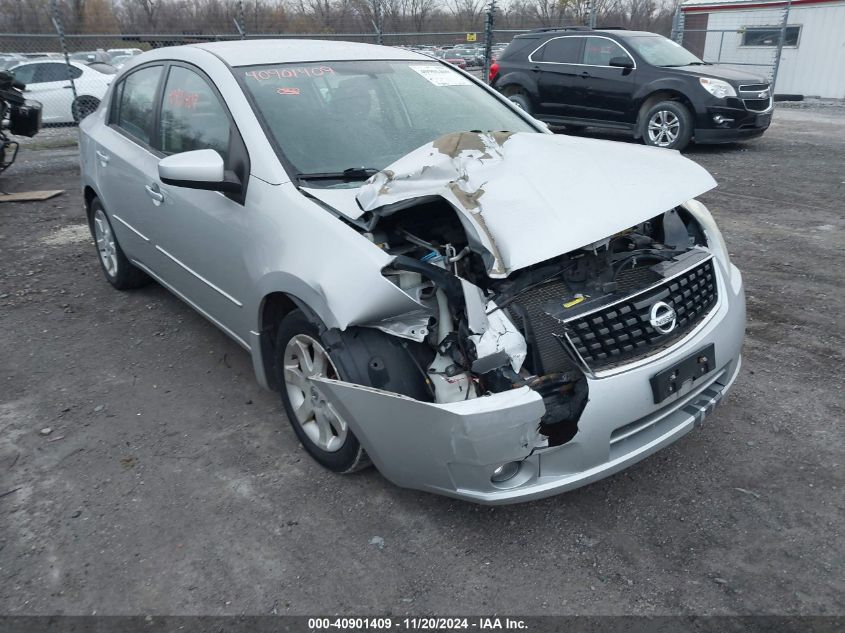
column 631, row 80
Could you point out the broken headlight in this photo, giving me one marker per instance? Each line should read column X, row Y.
column 715, row 241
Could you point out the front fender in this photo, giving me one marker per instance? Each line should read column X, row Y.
column 671, row 84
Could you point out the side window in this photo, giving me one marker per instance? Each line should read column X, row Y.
column 25, row 73
column 192, row 116
column 136, row 102
column 55, row 72
column 598, row 51
column 562, row 50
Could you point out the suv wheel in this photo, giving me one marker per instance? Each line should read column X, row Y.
column 521, row 99
column 667, row 124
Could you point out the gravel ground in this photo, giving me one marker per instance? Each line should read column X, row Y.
column 170, row 483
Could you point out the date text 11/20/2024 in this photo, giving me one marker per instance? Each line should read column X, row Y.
column 432, row 623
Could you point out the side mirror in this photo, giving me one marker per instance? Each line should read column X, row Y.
column 199, row 169
column 622, row 61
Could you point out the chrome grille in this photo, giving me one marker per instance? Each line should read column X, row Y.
column 750, row 95
column 621, row 332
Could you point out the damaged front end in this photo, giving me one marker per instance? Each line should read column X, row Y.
column 512, row 344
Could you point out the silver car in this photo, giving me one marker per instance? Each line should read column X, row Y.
column 434, row 282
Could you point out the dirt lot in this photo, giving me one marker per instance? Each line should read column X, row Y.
column 170, row 483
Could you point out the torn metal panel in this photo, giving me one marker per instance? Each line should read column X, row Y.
column 525, row 198
column 412, row 326
column 429, row 436
column 501, row 335
column 475, row 307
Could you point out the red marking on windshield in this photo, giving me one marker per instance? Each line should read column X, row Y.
column 289, row 73
column 288, row 91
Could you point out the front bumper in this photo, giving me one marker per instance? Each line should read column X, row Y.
column 737, row 124
column 452, row 449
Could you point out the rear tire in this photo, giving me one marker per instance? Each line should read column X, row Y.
column 521, row 99
column 119, row 271
column 84, row 106
column 667, row 124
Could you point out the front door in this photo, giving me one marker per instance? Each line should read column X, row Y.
column 608, row 90
column 200, row 235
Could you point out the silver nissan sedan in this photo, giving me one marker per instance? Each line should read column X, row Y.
column 434, row 282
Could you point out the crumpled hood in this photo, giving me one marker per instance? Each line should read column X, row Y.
column 525, row 198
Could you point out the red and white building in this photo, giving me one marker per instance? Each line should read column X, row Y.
column 745, row 34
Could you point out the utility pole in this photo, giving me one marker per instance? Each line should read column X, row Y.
column 784, row 20
column 56, row 18
column 489, row 23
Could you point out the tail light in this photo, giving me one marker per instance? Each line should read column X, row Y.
column 494, row 71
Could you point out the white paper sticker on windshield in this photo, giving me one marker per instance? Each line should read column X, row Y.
column 441, row 76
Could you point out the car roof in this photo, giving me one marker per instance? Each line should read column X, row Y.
column 49, row 60
column 255, row 52
column 581, row 32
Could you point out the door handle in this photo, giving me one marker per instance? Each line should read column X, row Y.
column 536, row 69
column 585, row 75
column 155, row 194
column 67, row 87
column 104, row 158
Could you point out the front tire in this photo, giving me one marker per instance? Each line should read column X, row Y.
column 300, row 356
column 667, row 124
column 359, row 355
column 118, row 270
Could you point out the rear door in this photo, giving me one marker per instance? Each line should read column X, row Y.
column 559, row 86
column 126, row 162
column 49, row 83
column 608, row 90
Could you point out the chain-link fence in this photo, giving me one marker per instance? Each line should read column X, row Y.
column 750, row 39
column 67, row 51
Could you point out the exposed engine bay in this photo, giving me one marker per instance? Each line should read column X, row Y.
column 475, row 335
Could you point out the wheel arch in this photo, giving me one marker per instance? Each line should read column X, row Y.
column 273, row 308
column 88, row 196
column 517, row 80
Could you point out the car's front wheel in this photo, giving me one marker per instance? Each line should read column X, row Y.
column 360, row 356
column 667, row 124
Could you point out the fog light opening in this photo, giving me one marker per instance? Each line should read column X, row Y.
column 718, row 119
column 504, row 472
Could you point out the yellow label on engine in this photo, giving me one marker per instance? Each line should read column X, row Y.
column 574, row 302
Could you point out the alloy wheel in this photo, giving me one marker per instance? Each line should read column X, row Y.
column 663, row 128
column 105, row 243
column 305, row 359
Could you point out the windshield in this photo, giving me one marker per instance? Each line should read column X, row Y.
column 660, row 51
column 335, row 116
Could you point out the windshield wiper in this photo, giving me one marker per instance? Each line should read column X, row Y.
column 352, row 173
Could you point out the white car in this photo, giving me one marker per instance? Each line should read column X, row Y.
column 48, row 81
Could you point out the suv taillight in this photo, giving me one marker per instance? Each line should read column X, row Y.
column 494, row 70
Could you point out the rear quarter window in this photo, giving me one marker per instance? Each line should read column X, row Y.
column 134, row 103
